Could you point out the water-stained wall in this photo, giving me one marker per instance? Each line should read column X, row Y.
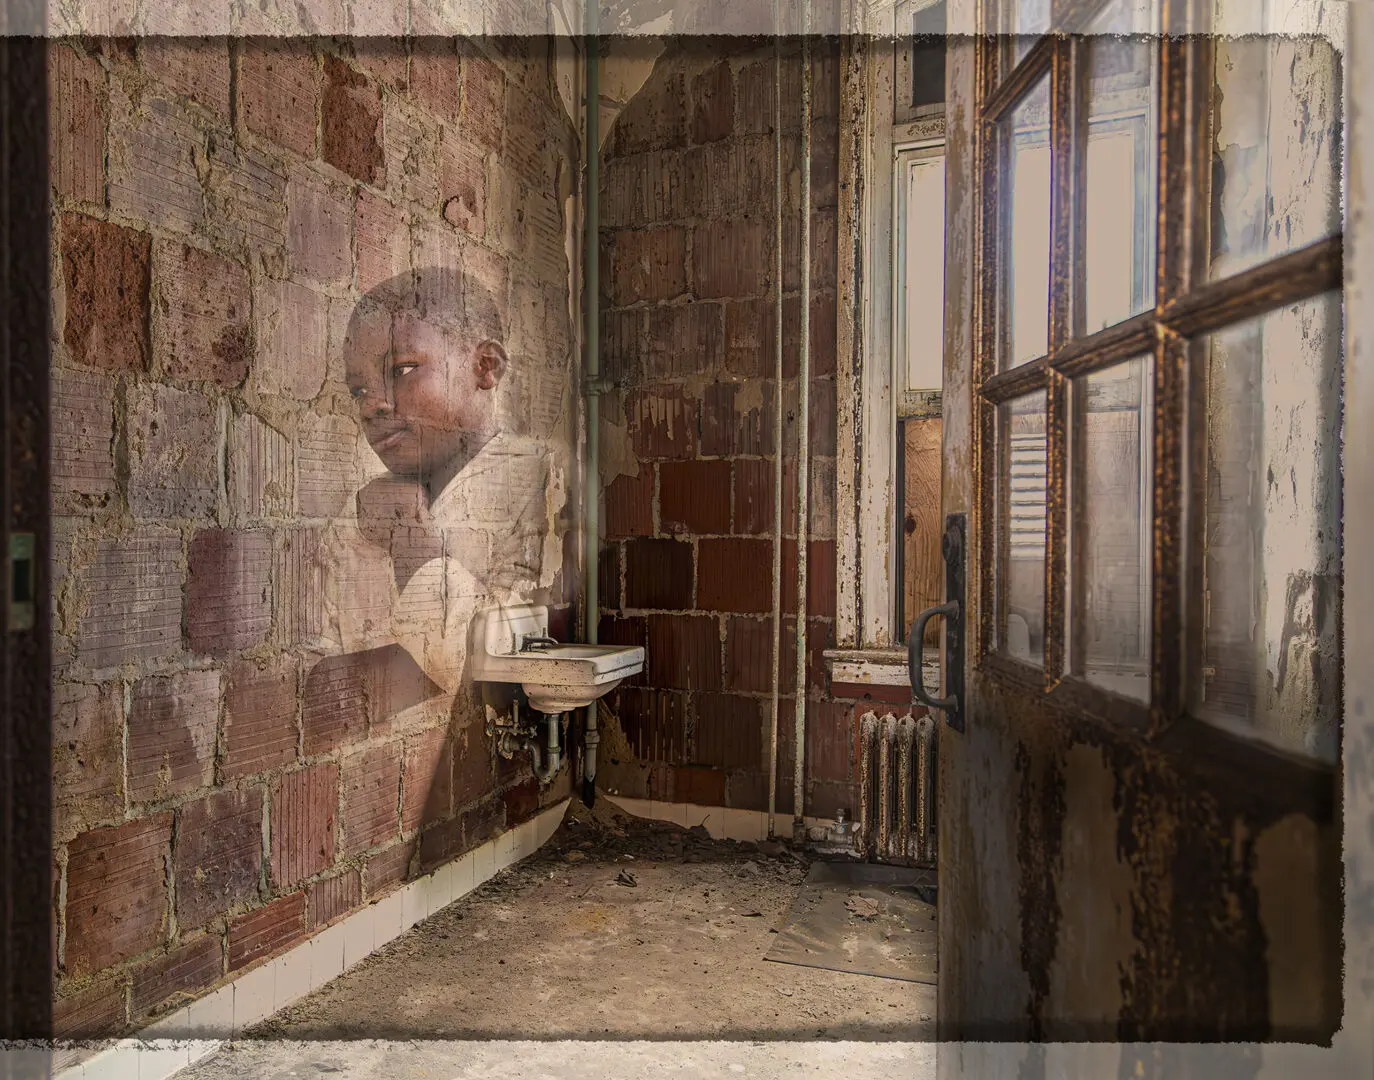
column 313, row 411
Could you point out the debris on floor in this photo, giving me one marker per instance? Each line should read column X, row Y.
column 561, row 945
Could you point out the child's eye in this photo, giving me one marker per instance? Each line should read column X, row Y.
column 358, row 391
column 403, row 369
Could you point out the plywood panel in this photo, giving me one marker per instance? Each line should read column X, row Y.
column 923, row 569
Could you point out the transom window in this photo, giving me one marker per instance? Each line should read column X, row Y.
column 1159, row 363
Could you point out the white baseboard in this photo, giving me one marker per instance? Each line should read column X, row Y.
column 197, row 1030
column 723, row 823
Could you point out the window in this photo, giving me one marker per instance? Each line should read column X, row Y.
column 1159, row 366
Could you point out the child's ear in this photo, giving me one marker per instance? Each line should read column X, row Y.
column 491, row 364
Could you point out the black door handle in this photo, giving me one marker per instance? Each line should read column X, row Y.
column 952, row 612
column 914, row 649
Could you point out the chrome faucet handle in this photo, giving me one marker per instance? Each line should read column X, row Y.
column 536, row 641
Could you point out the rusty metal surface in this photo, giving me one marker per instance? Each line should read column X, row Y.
column 896, row 942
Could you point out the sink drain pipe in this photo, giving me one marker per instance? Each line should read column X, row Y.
column 591, row 274
column 777, row 422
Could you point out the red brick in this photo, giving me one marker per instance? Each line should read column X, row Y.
column 93, row 1012
column 654, row 723
column 325, row 465
column 78, row 113
column 713, row 104
column 218, row 855
column 482, row 822
column 293, row 333
column 173, row 439
column 729, row 731
column 204, row 302
column 731, row 258
column 643, row 189
column 106, row 275
column 382, row 238
column 749, row 655
column 694, row 496
column 434, row 76
column 261, row 468
column 180, row 973
column 608, row 573
column 735, row 574
column 825, row 799
column 824, row 323
column 196, row 68
column 484, row 102
column 266, row 931
column 684, row 652
column 684, row 339
column 864, row 693
column 317, row 229
column 737, row 419
column 437, row 845
column 383, row 58
column 751, row 340
column 246, row 199
column 83, row 469
column 629, row 631
column 116, row 893
column 820, row 578
column 824, row 241
column 655, row 118
column 305, row 807
column 522, row 801
column 531, row 147
column 228, row 595
column 154, row 152
column 700, row 786
column 88, row 756
column 473, row 756
column 462, row 184
column 351, row 123
column 648, row 264
column 663, row 421
column 172, row 725
column 298, row 586
column 622, row 344
column 389, row 868
column 371, row 793
column 133, row 600
column 829, row 741
column 755, row 485
column 260, row 731
column 335, row 896
column 427, row 782
column 410, row 156
column 334, row 706
column 658, row 574
column 279, row 93
column 630, row 504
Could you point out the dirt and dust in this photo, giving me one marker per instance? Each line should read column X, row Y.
column 618, row 928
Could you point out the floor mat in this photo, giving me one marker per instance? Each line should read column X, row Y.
column 862, row 918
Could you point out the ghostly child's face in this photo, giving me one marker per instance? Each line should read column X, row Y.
column 424, row 391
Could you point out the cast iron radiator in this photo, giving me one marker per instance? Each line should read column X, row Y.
column 897, row 787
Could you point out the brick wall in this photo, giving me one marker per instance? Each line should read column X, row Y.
column 234, row 764
column 687, row 308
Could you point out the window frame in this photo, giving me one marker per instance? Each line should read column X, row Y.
column 1188, row 306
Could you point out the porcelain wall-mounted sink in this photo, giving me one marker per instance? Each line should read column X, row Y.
column 555, row 677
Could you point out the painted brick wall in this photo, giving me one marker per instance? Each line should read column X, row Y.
column 687, row 307
column 229, row 775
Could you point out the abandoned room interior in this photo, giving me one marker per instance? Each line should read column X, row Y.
column 818, row 523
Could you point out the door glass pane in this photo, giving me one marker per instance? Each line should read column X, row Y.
column 1272, row 538
column 1027, row 234
column 921, row 305
column 1110, row 492
column 1276, row 169
column 1024, row 21
column 1021, row 527
column 1121, row 171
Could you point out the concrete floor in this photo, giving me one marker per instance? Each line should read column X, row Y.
column 618, row 929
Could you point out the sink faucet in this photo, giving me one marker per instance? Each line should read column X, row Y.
column 537, row 641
